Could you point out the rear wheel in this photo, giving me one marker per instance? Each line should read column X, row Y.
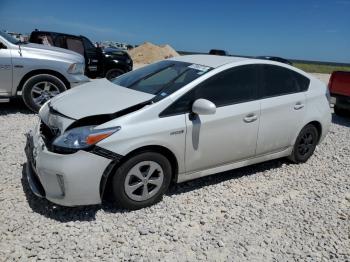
column 305, row 144
column 40, row 88
column 142, row 180
column 113, row 73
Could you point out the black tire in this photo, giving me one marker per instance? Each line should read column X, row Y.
column 340, row 111
column 27, row 92
column 120, row 179
column 113, row 73
column 305, row 144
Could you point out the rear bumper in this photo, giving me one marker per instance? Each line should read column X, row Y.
column 67, row 180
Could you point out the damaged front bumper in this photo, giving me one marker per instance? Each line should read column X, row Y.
column 64, row 179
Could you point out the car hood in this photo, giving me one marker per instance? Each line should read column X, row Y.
column 53, row 52
column 97, row 97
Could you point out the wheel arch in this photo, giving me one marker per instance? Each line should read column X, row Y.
column 39, row 72
column 318, row 126
column 105, row 183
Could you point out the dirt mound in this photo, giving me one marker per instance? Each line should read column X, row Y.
column 148, row 53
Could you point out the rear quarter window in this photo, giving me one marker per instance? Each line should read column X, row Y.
column 279, row 81
column 303, row 81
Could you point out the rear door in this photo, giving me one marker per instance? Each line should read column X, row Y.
column 283, row 105
column 5, row 70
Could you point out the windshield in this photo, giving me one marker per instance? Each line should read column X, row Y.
column 9, row 38
column 162, row 78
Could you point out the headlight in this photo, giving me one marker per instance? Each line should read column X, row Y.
column 116, row 61
column 82, row 137
column 76, row 69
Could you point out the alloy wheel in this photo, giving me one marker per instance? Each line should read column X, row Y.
column 43, row 91
column 143, row 180
column 306, row 143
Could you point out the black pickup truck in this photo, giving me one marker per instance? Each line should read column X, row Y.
column 109, row 63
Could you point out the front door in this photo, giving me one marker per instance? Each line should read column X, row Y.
column 229, row 135
column 5, row 70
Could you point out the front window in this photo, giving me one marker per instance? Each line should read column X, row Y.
column 162, row 78
column 88, row 45
column 9, row 38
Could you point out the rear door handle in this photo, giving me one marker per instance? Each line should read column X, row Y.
column 250, row 118
column 298, row 106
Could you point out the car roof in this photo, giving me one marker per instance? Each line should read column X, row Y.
column 56, row 33
column 209, row 60
column 215, row 61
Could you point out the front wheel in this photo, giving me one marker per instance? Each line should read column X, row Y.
column 305, row 144
column 40, row 88
column 142, row 180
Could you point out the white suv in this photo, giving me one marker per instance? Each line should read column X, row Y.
column 174, row 120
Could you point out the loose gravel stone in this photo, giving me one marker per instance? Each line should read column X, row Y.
column 270, row 211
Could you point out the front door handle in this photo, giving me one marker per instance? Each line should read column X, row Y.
column 250, row 118
column 298, row 106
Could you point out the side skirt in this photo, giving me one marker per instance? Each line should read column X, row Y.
column 250, row 161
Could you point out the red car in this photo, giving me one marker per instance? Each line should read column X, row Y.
column 339, row 88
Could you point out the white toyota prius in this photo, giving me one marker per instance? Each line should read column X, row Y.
column 172, row 121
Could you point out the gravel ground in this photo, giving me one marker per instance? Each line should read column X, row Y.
column 270, row 211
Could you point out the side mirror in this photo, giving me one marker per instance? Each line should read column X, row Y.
column 2, row 46
column 203, row 107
